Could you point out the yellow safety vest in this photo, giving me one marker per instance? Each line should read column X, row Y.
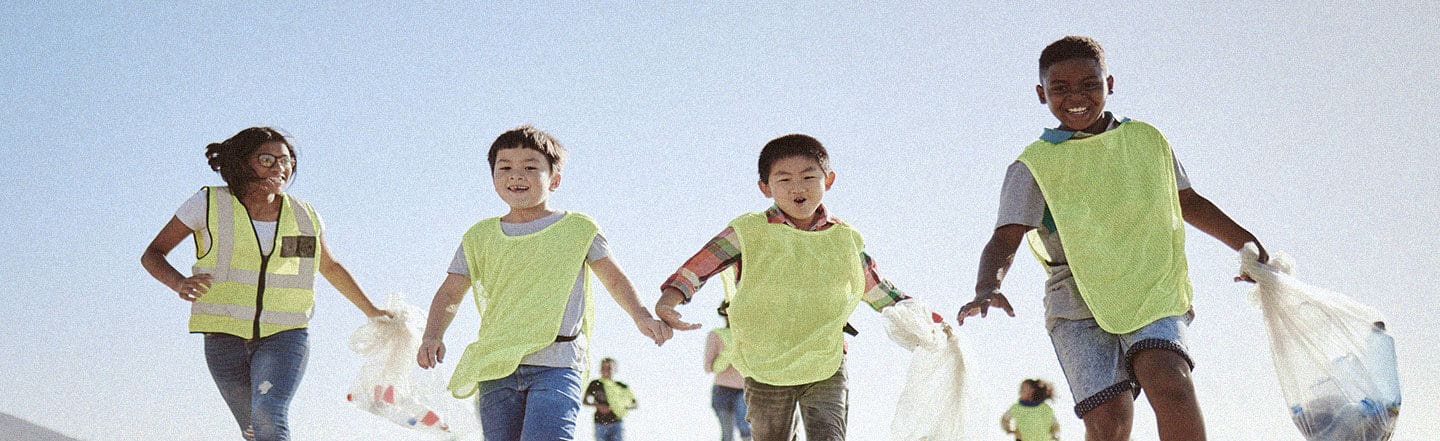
column 726, row 356
column 1033, row 422
column 253, row 295
column 618, row 397
column 521, row 286
column 1115, row 205
column 798, row 289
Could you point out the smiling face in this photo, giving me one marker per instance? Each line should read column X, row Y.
column 272, row 165
column 523, row 178
column 797, row 184
column 1075, row 91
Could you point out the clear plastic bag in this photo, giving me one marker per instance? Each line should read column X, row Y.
column 1335, row 362
column 931, row 402
column 386, row 385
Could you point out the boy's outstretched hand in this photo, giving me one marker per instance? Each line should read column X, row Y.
column 981, row 305
column 432, row 352
column 655, row 329
column 671, row 317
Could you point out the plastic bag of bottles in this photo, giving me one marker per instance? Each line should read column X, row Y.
column 385, row 386
column 931, row 402
column 1334, row 359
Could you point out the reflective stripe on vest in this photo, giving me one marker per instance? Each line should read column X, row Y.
column 796, row 292
column 522, row 285
column 282, row 294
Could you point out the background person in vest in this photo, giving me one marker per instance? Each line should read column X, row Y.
column 530, row 270
column 252, row 287
column 612, row 400
column 727, row 395
column 801, row 273
column 1117, row 300
column 1032, row 419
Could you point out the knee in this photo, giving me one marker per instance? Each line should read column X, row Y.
column 1110, row 421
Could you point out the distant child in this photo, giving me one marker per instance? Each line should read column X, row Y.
column 801, row 273
column 612, row 400
column 1032, row 417
column 1117, row 301
column 727, row 395
column 530, row 270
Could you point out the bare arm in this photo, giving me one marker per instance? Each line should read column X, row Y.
column 153, row 259
column 995, row 262
column 713, row 345
column 1207, row 217
column 1005, row 422
column 442, row 312
column 340, row 278
column 623, row 292
column 665, row 309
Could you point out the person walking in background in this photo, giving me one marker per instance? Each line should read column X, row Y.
column 251, row 290
column 612, row 400
column 1032, row 419
column 727, row 395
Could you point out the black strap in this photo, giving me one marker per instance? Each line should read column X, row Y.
column 851, row 330
column 565, row 338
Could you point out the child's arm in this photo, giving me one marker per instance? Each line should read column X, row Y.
column 442, row 311
column 624, row 294
column 879, row 293
column 1207, row 217
column 719, row 253
column 340, row 278
column 1005, row 422
column 994, row 263
column 712, row 351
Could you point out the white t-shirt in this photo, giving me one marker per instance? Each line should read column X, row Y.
column 192, row 214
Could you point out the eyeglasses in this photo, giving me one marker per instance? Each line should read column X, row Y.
column 268, row 160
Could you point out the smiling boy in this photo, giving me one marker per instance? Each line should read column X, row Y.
column 800, row 273
column 530, row 272
column 1117, row 301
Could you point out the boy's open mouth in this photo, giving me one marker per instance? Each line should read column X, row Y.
column 1077, row 110
column 800, row 200
column 518, row 187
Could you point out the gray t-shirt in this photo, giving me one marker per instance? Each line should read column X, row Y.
column 559, row 354
column 1022, row 203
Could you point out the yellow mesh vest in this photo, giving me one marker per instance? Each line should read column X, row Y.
column 797, row 291
column 521, row 286
column 727, row 355
column 618, row 397
column 1032, row 423
column 252, row 295
column 1116, row 209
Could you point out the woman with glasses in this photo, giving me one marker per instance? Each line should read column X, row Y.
column 251, row 289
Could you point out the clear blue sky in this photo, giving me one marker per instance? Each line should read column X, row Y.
column 1305, row 123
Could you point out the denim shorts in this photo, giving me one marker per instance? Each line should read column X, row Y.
column 1097, row 363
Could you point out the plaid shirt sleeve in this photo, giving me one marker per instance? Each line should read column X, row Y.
column 879, row 293
column 719, row 253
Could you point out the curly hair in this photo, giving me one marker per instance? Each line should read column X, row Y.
column 529, row 137
column 1071, row 47
column 790, row 146
column 231, row 157
column 1044, row 390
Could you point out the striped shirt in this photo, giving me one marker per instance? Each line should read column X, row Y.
column 723, row 251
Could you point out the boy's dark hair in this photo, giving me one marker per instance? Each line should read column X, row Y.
column 231, row 157
column 790, row 146
column 1070, row 47
column 529, row 137
column 1043, row 389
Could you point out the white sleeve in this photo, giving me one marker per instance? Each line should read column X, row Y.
column 192, row 212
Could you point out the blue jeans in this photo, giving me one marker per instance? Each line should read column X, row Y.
column 729, row 405
column 534, row 403
column 610, row 432
column 258, row 379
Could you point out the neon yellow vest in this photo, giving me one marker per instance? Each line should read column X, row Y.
column 797, row 291
column 1032, row 423
column 521, row 286
column 618, row 397
column 252, row 295
column 1115, row 205
column 726, row 356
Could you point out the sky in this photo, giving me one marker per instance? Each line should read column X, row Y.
column 1302, row 122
